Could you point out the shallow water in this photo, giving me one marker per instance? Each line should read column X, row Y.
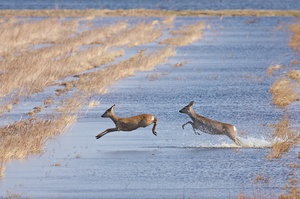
column 225, row 74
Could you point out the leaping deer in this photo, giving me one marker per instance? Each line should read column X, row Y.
column 128, row 123
column 209, row 126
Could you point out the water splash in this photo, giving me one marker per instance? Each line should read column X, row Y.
column 249, row 142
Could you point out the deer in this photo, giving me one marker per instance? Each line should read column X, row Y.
column 128, row 123
column 209, row 126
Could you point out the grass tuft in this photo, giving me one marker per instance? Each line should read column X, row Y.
column 185, row 35
column 284, row 138
column 294, row 74
column 283, row 92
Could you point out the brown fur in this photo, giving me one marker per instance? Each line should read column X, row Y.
column 128, row 123
column 209, row 126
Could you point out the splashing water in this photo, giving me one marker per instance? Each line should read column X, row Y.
column 249, row 142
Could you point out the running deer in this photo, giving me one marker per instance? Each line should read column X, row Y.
column 128, row 123
column 209, row 126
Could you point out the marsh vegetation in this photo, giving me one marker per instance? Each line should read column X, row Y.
column 79, row 59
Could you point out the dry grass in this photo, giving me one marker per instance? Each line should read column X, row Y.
column 93, row 104
column 274, row 68
column 97, row 82
column 294, row 74
column 185, row 35
column 139, row 34
column 283, row 92
column 29, row 63
column 33, row 70
column 25, row 137
column 284, row 138
column 295, row 39
column 16, row 37
column 28, row 136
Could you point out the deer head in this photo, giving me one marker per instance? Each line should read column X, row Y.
column 187, row 108
column 109, row 112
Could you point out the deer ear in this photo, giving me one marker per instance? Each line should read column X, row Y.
column 191, row 103
column 113, row 106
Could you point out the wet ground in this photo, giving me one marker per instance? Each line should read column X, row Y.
column 225, row 73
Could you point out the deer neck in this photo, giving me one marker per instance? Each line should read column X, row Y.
column 114, row 117
column 192, row 114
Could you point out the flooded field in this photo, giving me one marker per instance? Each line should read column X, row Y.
column 225, row 72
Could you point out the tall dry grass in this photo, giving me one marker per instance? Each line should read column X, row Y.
column 294, row 42
column 29, row 63
column 284, row 138
column 97, row 82
column 17, row 35
column 28, row 136
column 185, row 35
column 283, row 92
column 294, row 74
column 272, row 69
column 139, row 34
column 34, row 70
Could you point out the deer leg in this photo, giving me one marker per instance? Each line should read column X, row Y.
column 235, row 139
column 153, row 129
column 105, row 132
column 189, row 122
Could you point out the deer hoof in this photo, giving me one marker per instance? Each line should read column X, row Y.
column 97, row 137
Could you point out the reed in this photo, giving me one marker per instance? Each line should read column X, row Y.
column 284, row 138
column 294, row 42
column 99, row 81
column 185, row 35
column 283, row 92
column 272, row 69
column 28, row 66
column 294, row 74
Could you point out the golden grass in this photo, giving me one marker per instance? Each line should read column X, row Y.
column 185, row 35
column 26, row 70
column 91, row 13
column 139, row 34
column 93, row 104
column 283, row 92
column 294, row 42
column 272, row 69
column 33, row 70
column 294, row 74
column 284, row 138
column 24, row 137
column 17, row 36
column 97, row 82
column 28, row 136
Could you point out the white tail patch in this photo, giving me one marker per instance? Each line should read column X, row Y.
column 234, row 128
